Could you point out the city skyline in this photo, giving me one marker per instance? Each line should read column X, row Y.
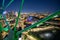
column 34, row 5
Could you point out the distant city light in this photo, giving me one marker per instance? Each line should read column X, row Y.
column 47, row 34
column 4, row 12
column 20, row 39
column 16, row 13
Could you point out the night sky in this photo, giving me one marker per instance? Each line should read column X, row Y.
column 34, row 5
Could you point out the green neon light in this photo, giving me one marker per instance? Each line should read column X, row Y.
column 1, row 31
column 0, row 16
column 40, row 22
column 5, row 16
column 3, row 3
column 1, row 28
column 9, row 3
column 19, row 13
column 8, row 27
column 15, row 31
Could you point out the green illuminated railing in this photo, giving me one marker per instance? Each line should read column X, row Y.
column 9, row 4
column 4, row 15
column 1, row 27
column 8, row 28
column 3, row 3
column 15, row 31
